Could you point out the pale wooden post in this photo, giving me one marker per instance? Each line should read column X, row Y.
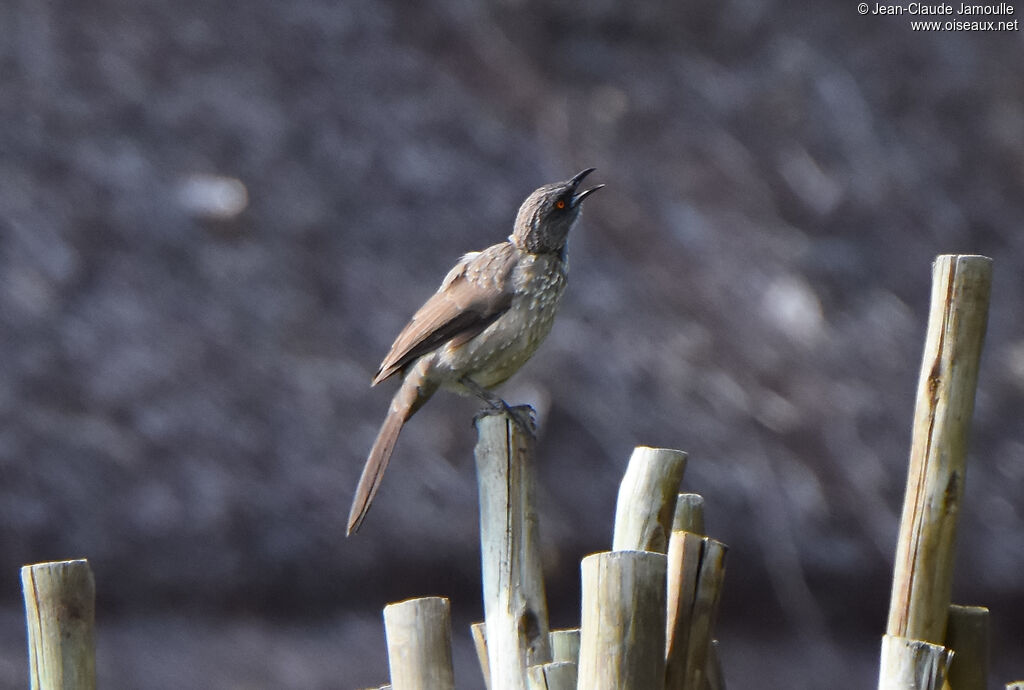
column 622, row 639
column 60, row 610
column 922, row 577
column 647, row 499
column 967, row 635
column 714, row 674
column 479, row 633
column 695, row 574
column 515, row 608
column 707, row 596
column 419, row 638
column 554, row 675
column 684, row 557
column 565, row 645
column 689, row 515
column 912, row 664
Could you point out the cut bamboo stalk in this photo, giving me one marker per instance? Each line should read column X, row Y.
column 554, row 675
column 968, row 636
column 479, row 632
column 565, row 645
column 419, row 638
column 60, row 610
column 716, row 679
column 689, row 516
column 707, row 596
column 646, row 503
column 922, row 574
column 912, row 664
column 515, row 608
column 622, row 639
column 684, row 556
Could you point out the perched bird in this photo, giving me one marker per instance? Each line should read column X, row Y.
column 491, row 312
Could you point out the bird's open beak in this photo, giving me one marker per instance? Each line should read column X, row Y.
column 577, row 199
column 578, row 177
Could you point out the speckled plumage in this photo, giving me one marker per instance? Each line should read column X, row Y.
column 535, row 283
column 487, row 318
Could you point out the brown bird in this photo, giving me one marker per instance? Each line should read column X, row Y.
column 491, row 312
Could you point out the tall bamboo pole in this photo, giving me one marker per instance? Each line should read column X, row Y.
column 922, row 578
column 515, row 608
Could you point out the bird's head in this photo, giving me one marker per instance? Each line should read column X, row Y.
column 546, row 217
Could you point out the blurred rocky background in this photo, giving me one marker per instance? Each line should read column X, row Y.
column 215, row 216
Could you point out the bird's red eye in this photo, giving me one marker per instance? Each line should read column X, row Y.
column 560, row 204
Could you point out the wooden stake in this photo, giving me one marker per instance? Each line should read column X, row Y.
column 647, row 499
column 912, row 664
column 684, row 557
column 515, row 608
column 716, row 679
column 60, row 610
column 689, row 516
column 922, row 575
column 419, row 637
column 622, row 639
column 968, row 636
column 479, row 633
column 707, row 596
column 554, row 675
column 565, row 645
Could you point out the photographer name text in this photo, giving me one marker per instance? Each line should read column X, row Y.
column 943, row 9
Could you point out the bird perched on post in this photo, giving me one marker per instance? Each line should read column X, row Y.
column 491, row 312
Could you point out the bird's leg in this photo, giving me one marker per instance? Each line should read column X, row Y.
column 520, row 414
column 485, row 394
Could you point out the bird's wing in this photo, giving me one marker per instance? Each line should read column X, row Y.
column 473, row 294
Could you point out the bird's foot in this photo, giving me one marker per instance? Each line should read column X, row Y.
column 523, row 416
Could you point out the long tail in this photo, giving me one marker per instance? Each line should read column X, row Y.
column 410, row 397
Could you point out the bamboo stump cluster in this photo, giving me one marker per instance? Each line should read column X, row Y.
column 650, row 603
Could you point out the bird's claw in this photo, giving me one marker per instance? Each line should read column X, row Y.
column 523, row 416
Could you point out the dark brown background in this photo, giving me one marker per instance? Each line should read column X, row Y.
column 185, row 401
